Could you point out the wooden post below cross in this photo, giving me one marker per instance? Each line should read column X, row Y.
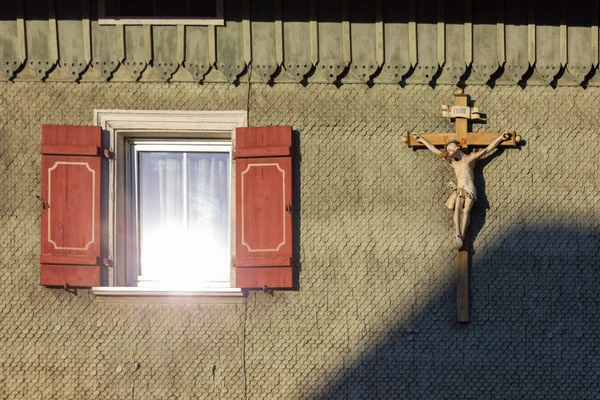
column 462, row 113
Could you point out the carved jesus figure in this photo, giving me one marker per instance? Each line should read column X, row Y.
column 464, row 193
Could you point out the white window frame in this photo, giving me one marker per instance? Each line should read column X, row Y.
column 217, row 20
column 121, row 126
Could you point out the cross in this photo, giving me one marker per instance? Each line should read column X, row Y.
column 462, row 113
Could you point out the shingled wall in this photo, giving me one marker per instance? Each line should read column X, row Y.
column 374, row 316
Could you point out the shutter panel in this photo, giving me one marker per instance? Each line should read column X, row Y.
column 263, row 207
column 70, row 240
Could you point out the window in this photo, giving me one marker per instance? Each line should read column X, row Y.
column 188, row 12
column 168, row 200
column 180, row 195
column 149, row 150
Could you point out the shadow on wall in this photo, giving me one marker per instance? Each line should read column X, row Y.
column 534, row 330
column 297, row 207
column 511, row 12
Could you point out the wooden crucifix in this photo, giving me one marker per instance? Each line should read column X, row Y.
column 464, row 193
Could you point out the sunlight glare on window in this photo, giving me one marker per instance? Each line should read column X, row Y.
column 177, row 257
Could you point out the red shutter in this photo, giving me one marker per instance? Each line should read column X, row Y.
column 70, row 245
column 263, row 207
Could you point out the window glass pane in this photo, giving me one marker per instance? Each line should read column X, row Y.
column 184, row 221
column 161, row 207
column 208, row 211
column 135, row 8
column 149, row 9
column 172, row 8
column 203, row 9
column 111, row 8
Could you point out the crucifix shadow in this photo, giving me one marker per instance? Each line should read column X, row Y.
column 479, row 211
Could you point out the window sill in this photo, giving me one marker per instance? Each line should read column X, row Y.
column 159, row 295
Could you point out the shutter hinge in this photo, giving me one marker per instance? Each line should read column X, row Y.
column 45, row 204
column 288, row 207
column 108, row 154
column 69, row 289
column 107, row 262
column 267, row 290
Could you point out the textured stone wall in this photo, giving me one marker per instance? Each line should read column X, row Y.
column 374, row 316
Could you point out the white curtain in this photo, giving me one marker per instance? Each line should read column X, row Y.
column 168, row 187
column 208, row 187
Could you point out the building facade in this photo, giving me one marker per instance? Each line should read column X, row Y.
column 373, row 310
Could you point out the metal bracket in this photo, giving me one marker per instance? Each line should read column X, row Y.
column 108, row 154
column 69, row 289
column 267, row 291
column 45, row 204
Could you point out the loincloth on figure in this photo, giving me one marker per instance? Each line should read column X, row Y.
column 460, row 191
